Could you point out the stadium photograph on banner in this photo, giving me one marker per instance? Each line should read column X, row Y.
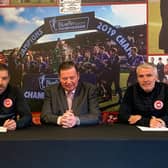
column 101, row 40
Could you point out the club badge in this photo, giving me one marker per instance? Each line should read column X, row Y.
column 8, row 103
column 158, row 104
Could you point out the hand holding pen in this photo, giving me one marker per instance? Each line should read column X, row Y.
column 157, row 122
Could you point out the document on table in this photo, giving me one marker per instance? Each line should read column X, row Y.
column 152, row 129
column 3, row 129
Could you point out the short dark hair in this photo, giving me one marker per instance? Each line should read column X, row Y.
column 134, row 48
column 114, row 49
column 4, row 67
column 67, row 65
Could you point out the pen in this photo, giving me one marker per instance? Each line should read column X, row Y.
column 12, row 117
column 160, row 121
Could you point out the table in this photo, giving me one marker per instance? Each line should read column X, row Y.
column 112, row 146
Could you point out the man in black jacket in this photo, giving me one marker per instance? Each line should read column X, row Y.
column 14, row 111
column 145, row 103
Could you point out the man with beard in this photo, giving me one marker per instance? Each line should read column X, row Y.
column 14, row 111
column 146, row 102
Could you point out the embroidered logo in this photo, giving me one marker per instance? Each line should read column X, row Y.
column 158, row 104
column 8, row 103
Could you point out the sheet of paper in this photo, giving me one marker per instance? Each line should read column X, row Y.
column 3, row 129
column 151, row 129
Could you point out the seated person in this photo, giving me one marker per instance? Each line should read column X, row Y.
column 14, row 112
column 71, row 102
column 146, row 102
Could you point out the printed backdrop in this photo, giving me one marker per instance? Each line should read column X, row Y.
column 36, row 37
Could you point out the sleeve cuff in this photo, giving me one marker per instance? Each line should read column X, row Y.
column 77, row 121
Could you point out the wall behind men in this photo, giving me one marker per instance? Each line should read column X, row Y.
column 37, row 69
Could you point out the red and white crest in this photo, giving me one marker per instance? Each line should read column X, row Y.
column 158, row 104
column 8, row 103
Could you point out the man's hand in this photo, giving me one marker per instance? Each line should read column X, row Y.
column 134, row 118
column 10, row 125
column 156, row 123
column 68, row 120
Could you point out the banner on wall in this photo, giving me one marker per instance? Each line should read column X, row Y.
column 76, row 22
column 69, row 23
column 34, row 85
column 88, row 38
